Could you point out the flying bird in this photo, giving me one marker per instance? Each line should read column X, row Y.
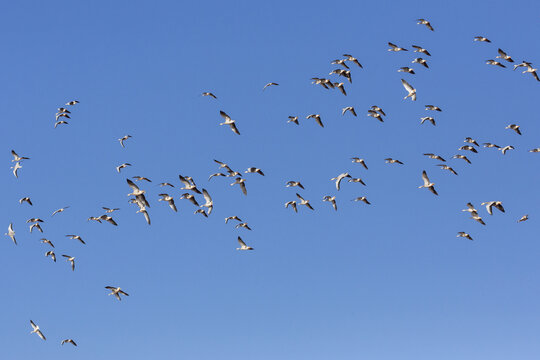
column 433, row 156
column 410, row 90
column 392, row 161
column 25, row 199
column 303, row 201
column 362, row 199
column 68, row 341
column 11, row 233
column 350, row 109
column 421, row 50
column 243, row 225
column 270, row 84
column 76, row 237
column 73, row 102
column 515, row 128
column 190, row 197
column 254, row 170
column 463, row 157
column 124, row 138
column 60, row 210
column 353, row 60
column 394, row 47
column 209, row 204
column 468, row 148
column 359, row 161
column 428, row 118
column 506, row 148
column 332, row 200
column 116, row 291
column 37, row 331
column 46, row 241
column 15, row 168
column 481, row 39
column 120, row 167
column 464, row 234
column 446, row 167
column 493, row 204
column 230, row 122
column 292, row 204
column 17, row 158
column 495, row 63
column 503, row 55
column 317, row 118
column 169, row 199
column 428, row 184
column 433, row 108
column 51, row 254
column 339, row 178
column 293, row 119
column 71, row 259
column 421, row 61
column 243, row 245
column 232, row 218
column 108, row 210
column 425, row 22
column 471, row 141
column 294, row 183
column 523, row 218
column 242, row 184
column 209, row 94
column 374, row 114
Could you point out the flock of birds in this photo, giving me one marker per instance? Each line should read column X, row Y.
column 204, row 208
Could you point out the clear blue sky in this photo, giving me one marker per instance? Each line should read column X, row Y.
column 386, row 281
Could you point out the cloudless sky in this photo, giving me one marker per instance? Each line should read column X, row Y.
column 383, row 281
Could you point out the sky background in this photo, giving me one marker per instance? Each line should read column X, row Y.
column 384, row 281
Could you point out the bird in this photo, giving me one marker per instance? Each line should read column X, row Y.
column 294, row 183
column 165, row 184
column 374, row 114
column 230, row 122
column 478, row 219
column 209, row 94
column 468, row 148
column 15, row 168
column 60, row 210
column 394, row 47
column 169, row 199
column 209, row 204
column 63, row 110
column 17, row 158
column 433, row 156
column 428, row 118
column 353, row 60
column 292, row 204
column 71, row 259
column 254, row 170
column 464, row 234
column 243, row 225
column 428, row 184
column 188, row 185
column 503, row 55
column 216, row 174
column 68, row 341
column 392, row 161
column 515, row 128
column 463, row 157
column 425, row 22
column 242, row 184
column 73, row 102
column 76, row 237
column 471, row 141
column 25, row 199
column 332, row 200
column 140, row 178
column 116, row 291
column 303, row 201
column 11, row 233
column 350, row 109
column 493, row 204
column 120, row 167
column 293, row 119
column 270, row 84
column 61, row 122
column 421, row 50
column 59, row 115
column 46, row 241
column 532, row 71
column 34, row 220
column 124, row 138
column 232, row 218
column 535, row 150
column 495, row 63
column 317, row 118
column 357, row 180
column 37, row 331
column 108, row 210
column 490, row 145
column 421, row 61
column 471, row 209
column 406, row 69
column 36, row 226
column 340, row 62
column 339, row 178
column 523, row 218
column 481, row 39
column 190, row 197
column 51, row 254
column 138, row 193
column 243, row 245
column 433, row 108
column 378, row 109
column 446, row 167
column 108, row 219
column 359, row 161
column 363, row 199
column 410, row 90
column 341, row 88
column 506, row 148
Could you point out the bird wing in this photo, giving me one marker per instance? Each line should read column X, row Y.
column 132, row 185
column 234, row 128
column 407, row 86
column 425, row 178
column 243, row 187
column 224, row 115
column 207, row 197
column 300, row 197
column 184, row 181
column 241, row 242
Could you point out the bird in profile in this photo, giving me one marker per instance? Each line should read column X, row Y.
column 317, row 118
column 141, row 178
column 362, row 199
column 376, row 115
column 190, row 197
column 209, row 94
column 421, row 61
column 294, row 183
column 515, row 128
column 291, row 204
column 36, row 226
column 433, row 108
column 477, row 218
column 209, row 204
column 11, row 233
column 106, row 218
column 406, row 69
column 535, row 150
column 46, row 241
column 471, row 209
column 463, row 157
column 116, row 291
column 303, row 201
column 188, row 185
column 394, row 47
column 76, row 237
column 332, row 200
column 270, row 84
column 120, row 167
column 202, row 212
column 61, row 122
column 232, row 218
column 495, row 63
column 425, row 22
column 446, row 167
column 25, row 199
column 428, row 118
column 392, row 161
column 16, row 168
column 124, row 138
column 165, row 184
column 471, row 141
column 433, row 156
column 464, row 235
column 357, row 180
column 523, row 218
column 428, row 184
column 352, row 59
column 73, row 102
column 493, row 204
column 468, row 148
column 341, row 87
column 506, row 148
column 243, row 245
column 350, row 109
column 51, row 254
column 357, row 160
column 60, row 210
column 410, row 90
column 254, row 170
column 490, row 145
column 531, row 71
column 36, row 330
column 109, row 210
column 340, row 177
column 503, row 55
column 68, row 341
column 293, row 119
column 420, row 49
column 17, row 158
column 242, row 184
column 243, row 225
column 71, row 259
column 340, row 62
column 230, row 122
column 482, row 39
column 169, row 199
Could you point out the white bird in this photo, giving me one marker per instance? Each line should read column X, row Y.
column 15, row 168
column 425, row 22
column 421, row 50
column 394, row 47
column 46, row 241
column 209, row 94
column 243, row 225
column 51, row 254
column 446, row 167
column 523, row 218
column 106, row 218
column 188, row 185
column 73, row 102
column 495, row 63
column 339, row 178
column 493, row 204
column 108, row 210
column 141, row 178
column 535, row 150
column 169, row 199
column 293, row 119
column 410, row 90
column 359, row 161
column 490, row 145
column 433, row 156
column 120, row 167
column 532, row 71
column 503, row 55
column 61, row 122
column 76, row 237
column 25, row 199
column 37, row 331
column 17, row 158
column 428, row 118
column 36, row 226
column 303, row 201
column 294, row 183
column 292, row 204
column 350, row 109
column 243, row 245
column 240, row 182
column 190, row 197
column 353, row 60
column 406, row 69
column 463, row 157
column 363, row 199
column 428, row 184
column 392, row 161
column 471, row 209
column 270, row 84
column 11, row 233
column 116, row 291
column 68, row 341
column 317, row 118
column 229, row 121
column 124, row 138
column 254, row 170
column 433, row 108
column 468, row 148
column 506, row 148
column 515, row 128
column 374, row 114
column 60, row 210
column 481, row 39
column 471, row 141
column 421, row 61
column 209, row 204
column 232, row 218
column 332, row 200
column 464, row 234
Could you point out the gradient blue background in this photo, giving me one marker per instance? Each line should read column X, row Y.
column 385, row 281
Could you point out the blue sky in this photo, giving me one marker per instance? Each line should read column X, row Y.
column 384, row 281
